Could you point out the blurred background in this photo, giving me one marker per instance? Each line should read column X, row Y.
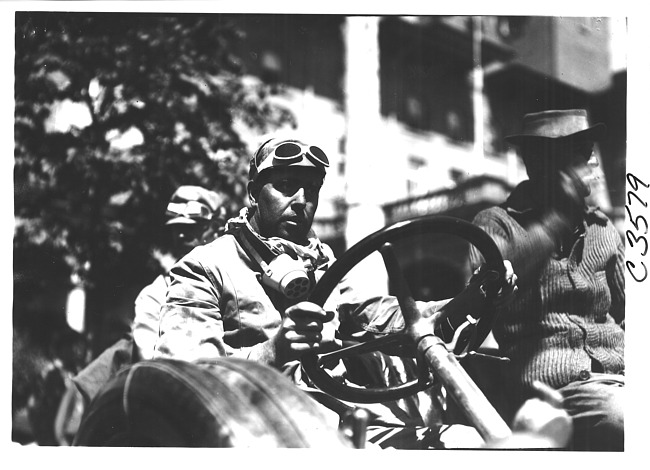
column 113, row 111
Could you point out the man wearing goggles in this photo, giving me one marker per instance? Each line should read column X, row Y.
column 243, row 295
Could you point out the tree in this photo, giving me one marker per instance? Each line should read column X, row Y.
column 113, row 112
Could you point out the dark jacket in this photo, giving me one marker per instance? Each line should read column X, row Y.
column 568, row 318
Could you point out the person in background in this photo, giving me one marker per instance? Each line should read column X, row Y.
column 566, row 326
column 195, row 216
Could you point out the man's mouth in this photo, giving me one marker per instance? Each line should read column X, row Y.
column 294, row 220
column 295, row 228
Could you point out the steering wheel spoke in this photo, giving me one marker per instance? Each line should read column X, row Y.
column 406, row 301
column 416, row 328
column 330, row 358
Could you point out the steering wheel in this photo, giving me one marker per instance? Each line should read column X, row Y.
column 312, row 363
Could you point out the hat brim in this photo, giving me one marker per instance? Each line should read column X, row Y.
column 597, row 133
column 181, row 220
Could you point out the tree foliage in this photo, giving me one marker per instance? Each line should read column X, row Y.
column 83, row 199
column 173, row 78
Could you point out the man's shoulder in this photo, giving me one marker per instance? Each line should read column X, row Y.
column 595, row 215
column 222, row 245
column 158, row 285
column 597, row 222
column 492, row 213
column 225, row 241
column 224, row 249
column 496, row 209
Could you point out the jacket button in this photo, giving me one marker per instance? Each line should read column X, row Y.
column 584, row 375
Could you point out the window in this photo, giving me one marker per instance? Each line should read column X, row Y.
column 424, row 84
column 415, row 181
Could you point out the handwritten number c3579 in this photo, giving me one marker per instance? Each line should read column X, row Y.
column 630, row 265
column 635, row 222
column 631, row 236
column 632, row 239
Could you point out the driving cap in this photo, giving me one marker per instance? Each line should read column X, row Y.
column 191, row 204
column 284, row 151
column 557, row 126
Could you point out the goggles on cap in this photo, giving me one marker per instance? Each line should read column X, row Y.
column 288, row 153
column 189, row 210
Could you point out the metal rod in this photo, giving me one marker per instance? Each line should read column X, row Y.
column 478, row 410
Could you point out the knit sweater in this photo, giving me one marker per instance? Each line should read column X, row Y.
column 568, row 318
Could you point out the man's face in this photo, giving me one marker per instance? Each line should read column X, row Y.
column 582, row 173
column 185, row 237
column 577, row 161
column 286, row 201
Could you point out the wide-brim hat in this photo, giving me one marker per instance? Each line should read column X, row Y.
column 193, row 204
column 285, row 150
column 558, row 126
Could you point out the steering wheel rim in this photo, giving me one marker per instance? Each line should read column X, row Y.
column 428, row 224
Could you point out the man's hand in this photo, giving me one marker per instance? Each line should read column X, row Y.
column 508, row 291
column 571, row 188
column 305, row 327
column 452, row 322
column 509, row 288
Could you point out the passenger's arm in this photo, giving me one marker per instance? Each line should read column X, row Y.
column 527, row 248
column 616, row 280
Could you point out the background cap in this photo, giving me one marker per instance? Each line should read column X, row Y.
column 190, row 204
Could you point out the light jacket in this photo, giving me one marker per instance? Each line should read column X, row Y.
column 147, row 315
column 216, row 306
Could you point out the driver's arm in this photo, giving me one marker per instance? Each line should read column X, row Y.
column 369, row 318
column 202, row 301
column 191, row 325
column 374, row 316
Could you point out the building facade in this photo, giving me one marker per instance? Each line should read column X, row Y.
column 413, row 111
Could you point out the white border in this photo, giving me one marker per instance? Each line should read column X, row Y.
column 638, row 154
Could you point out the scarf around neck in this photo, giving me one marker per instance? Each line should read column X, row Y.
column 312, row 254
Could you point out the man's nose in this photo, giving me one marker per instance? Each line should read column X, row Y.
column 300, row 196
column 593, row 161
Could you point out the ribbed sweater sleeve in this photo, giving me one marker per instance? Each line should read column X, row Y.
column 565, row 320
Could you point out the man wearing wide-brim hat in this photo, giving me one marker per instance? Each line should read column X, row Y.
column 566, row 327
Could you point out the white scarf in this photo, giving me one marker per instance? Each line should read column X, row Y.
column 312, row 254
